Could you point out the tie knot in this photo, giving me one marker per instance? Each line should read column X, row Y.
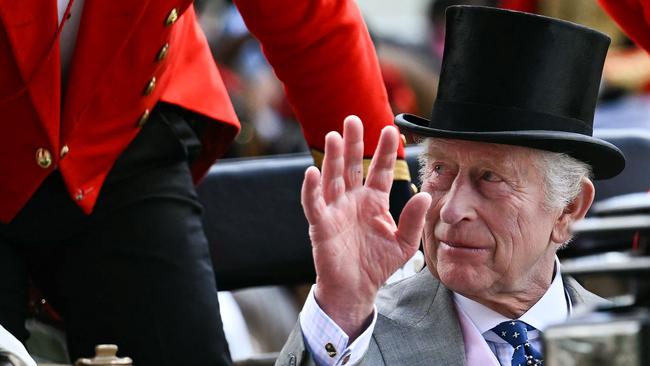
column 514, row 332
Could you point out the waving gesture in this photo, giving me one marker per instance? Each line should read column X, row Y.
column 356, row 243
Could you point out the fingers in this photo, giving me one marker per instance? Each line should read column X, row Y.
column 311, row 196
column 343, row 161
column 333, row 184
column 380, row 174
column 352, row 152
column 411, row 221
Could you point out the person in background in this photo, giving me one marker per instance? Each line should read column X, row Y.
column 111, row 113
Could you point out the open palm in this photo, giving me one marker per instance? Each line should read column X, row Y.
column 356, row 243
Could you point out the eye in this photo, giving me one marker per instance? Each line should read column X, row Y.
column 490, row 176
column 440, row 176
column 439, row 169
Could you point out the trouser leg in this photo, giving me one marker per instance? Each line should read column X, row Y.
column 30, row 248
column 13, row 290
column 143, row 277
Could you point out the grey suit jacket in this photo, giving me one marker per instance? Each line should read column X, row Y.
column 416, row 325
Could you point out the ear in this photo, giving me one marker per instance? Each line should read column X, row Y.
column 574, row 211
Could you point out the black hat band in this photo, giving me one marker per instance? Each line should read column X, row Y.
column 472, row 117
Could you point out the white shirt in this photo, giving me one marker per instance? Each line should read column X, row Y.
column 68, row 36
column 554, row 307
column 318, row 329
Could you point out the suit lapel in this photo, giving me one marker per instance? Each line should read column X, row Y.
column 419, row 325
column 31, row 26
column 579, row 295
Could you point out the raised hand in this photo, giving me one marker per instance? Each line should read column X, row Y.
column 355, row 241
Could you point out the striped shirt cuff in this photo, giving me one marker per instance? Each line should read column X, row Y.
column 326, row 341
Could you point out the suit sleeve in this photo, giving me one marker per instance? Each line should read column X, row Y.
column 323, row 54
column 294, row 351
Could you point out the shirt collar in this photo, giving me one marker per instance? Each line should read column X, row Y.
column 553, row 307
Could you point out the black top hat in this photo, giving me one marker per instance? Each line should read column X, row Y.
column 520, row 79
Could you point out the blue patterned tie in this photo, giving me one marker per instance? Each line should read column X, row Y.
column 515, row 332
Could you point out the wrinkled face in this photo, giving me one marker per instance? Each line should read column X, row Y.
column 487, row 230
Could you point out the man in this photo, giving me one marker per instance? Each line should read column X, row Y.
column 507, row 167
column 110, row 112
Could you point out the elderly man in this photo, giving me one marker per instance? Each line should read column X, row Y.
column 508, row 158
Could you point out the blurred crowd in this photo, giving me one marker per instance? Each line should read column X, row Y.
column 409, row 70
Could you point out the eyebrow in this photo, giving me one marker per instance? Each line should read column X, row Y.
column 502, row 165
column 435, row 152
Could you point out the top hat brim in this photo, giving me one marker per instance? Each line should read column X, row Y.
column 605, row 159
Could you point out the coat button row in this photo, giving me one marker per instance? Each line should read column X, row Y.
column 44, row 156
column 172, row 17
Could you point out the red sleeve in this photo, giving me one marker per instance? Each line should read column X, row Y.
column 633, row 16
column 322, row 53
column 529, row 6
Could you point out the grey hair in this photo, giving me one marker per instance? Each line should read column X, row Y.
column 562, row 174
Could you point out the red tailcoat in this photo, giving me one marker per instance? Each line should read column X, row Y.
column 319, row 49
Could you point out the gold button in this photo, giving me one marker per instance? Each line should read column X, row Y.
column 331, row 351
column 150, row 86
column 143, row 118
column 414, row 188
column 172, row 17
column 43, row 158
column 64, row 151
column 163, row 52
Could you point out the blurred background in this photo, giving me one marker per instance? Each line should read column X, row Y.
column 409, row 37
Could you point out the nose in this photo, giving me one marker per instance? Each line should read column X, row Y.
column 459, row 203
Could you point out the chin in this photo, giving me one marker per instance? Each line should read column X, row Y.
column 464, row 279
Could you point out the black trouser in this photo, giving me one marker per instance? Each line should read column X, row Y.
column 137, row 272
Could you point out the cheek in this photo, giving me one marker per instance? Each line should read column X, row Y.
column 504, row 224
column 536, row 230
column 520, row 241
